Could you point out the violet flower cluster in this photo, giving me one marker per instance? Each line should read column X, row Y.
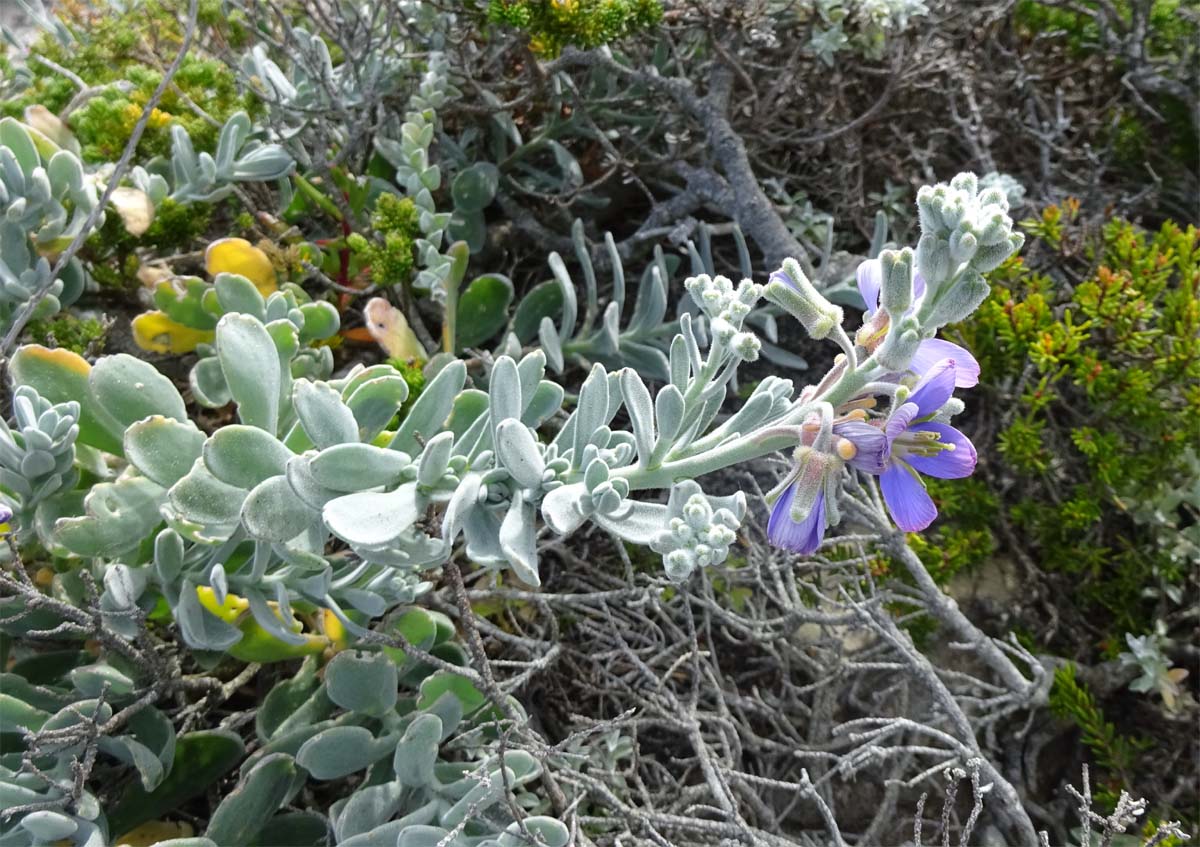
column 884, row 409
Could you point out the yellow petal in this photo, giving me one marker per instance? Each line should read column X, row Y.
column 229, row 611
column 239, row 256
column 156, row 332
column 154, row 832
column 390, row 329
column 134, row 207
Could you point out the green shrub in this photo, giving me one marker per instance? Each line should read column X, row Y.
column 1090, row 350
column 554, row 24
column 1116, row 754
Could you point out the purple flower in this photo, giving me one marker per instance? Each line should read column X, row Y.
column 802, row 537
column 932, row 350
column 868, row 443
column 856, row 443
column 923, row 447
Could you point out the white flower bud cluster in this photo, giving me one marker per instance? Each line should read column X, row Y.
column 961, row 224
column 699, row 537
column 727, row 307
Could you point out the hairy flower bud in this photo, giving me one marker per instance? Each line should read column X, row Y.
column 995, row 197
column 896, row 291
column 963, row 245
column 966, row 182
column 898, row 349
column 994, row 229
column 791, row 290
column 746, row 345
column 954, row 406
column 991, row 257
column 959, row 301
column 933, row 260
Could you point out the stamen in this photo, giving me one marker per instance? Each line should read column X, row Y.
column 846, row 449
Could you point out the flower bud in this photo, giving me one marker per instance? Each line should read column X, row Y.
column 723, row 330
column 747, row 346
column 933, row 260
column 963, row 245
column 748, row 293
column 679, row 565
column 991, row 257
column 954, row 406
column 963, row 298
column 896, row 292
column 926, row 211
column 966, row 182
column 791, row 290
column 995, row 229
column 953, row 210
column 898, row 349
column 995, row 197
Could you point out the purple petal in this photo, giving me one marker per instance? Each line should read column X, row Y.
column 935, row 388
column 783, row 277
column 870, row 280
column 948, row 464
column 910, row 504
column 933, row 350
column 871, row 442
column 898, row 422
column 804, row 537
column 918, row 285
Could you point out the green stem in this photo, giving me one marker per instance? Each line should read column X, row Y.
column 752, row 445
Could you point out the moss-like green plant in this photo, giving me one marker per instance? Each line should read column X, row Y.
column 391, row 256
column 554, row 24
column 121, row 56
column 66, row 330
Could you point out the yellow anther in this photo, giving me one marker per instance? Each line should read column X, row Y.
column 846, row 449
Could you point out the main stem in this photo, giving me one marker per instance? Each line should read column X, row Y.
column 751, row 445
